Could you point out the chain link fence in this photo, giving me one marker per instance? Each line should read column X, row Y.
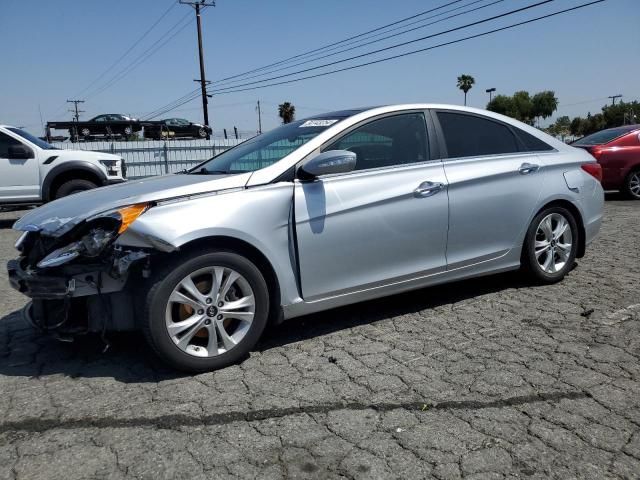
column 146, row 158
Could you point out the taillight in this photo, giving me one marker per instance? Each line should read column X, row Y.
column 593, row 169
column 596, row 152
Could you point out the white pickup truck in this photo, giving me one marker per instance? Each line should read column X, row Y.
column 34, row 172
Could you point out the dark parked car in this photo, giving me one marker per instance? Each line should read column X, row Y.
column 175, row 127
column 618, row 151
column 109, row 124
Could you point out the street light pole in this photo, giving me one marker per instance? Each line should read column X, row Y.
column 198, row 4
column 490, row 92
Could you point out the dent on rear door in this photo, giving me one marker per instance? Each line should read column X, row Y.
column 490, row 204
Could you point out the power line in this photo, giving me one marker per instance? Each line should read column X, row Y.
column 342, row 41
column 144, row 35
column 393, row 57
column 134, row 45
column 374, row 41
column 397, row 45
column 143, row 57
column 413, row 52
column 190, row 95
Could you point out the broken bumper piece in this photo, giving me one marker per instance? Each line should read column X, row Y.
column 38, row 286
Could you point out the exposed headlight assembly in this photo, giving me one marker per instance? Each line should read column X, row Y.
column 93, row 243
column 90, row 245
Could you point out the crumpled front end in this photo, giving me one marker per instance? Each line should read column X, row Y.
column 82, row 281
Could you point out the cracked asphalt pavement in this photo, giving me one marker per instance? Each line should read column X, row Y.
column 488, row 378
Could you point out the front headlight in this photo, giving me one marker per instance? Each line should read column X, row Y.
column 90, row 245
column 112, row 166
column 93, row 243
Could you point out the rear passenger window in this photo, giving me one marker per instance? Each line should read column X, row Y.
column 471, row 136
column 531, row 143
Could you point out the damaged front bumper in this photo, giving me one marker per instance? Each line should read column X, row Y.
column 79, row 298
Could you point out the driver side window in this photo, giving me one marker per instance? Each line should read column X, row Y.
column 5, row 142
column 390, row 141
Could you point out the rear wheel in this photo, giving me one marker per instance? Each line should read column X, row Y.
column 632, row 185
column 551, row 244
column 74, row 186
column 206, row 311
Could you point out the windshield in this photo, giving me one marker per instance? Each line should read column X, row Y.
column 605, row 136
column 35, row 140
column 266, row 149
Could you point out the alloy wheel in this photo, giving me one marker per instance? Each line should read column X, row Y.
column 553, row 243
column 210, row 311
column 634, row 184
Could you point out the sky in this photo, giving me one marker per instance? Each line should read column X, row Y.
column 54, row 50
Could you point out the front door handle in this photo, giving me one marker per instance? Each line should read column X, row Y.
column 427, row 189
column 527, row 168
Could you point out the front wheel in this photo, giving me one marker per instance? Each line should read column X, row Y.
column 74, row 186
column 551, row 245
column 632, row 185
column 202, row 133
column 206, row 311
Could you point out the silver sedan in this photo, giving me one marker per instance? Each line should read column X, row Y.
column 318, row 213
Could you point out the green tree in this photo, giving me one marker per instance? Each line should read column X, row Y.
column 577, row 127
column 501, row 104
column 287, row 112
column 465, row 83
column 544, row 104
column 523, row 107
column 562, row 127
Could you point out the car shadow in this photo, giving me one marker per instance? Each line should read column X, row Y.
column 27, row 352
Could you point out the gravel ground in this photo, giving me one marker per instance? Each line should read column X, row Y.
column 489, row 378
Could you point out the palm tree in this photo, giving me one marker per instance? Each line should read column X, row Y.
column 465, row 82
column 287, row 112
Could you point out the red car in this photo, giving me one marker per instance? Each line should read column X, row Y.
column 618, row 152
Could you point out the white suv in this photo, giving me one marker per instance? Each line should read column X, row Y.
column 34, row 172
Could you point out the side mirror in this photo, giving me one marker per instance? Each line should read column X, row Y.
column 19, row 152
column 332, row 161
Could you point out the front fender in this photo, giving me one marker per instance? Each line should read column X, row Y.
column 77, row 165
column 258, row 216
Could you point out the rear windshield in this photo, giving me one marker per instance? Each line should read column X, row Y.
column 605, row 136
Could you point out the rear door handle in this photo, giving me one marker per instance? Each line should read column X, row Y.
column 527, row 168
column 427, row 189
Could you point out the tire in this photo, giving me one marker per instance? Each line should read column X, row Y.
column 191, row 348
column 85, row 132
column 202, row 133
column 631, row 187
column 127, row 131
column 536, row 258
column 73, row 186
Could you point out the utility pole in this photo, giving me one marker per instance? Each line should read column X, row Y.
column 613, row 99
column 259, row 118
column 75, row 111
column 197, row 5
column 490, row 92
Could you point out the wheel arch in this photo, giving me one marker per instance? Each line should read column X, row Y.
column 255, row 255
column 582, row 235
column 69, row 171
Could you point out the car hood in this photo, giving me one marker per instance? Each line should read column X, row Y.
column 79, row 155
column 60, row 216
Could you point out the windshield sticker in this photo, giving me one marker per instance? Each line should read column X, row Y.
column 318, row 123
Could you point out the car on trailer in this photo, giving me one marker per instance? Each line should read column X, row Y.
column 106, row 125
column 175, row 128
